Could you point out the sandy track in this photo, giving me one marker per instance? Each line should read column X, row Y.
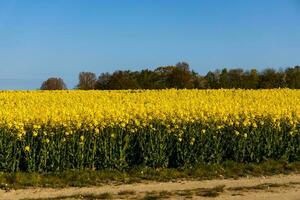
column 290, row 192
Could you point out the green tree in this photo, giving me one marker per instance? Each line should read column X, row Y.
column 163, row 74
column 199, row 82
column 235, row 78
column 293, row 77
column 121, row 80
column 180, row 78
column 224, row 79
column 103, row 82
column 270, row 79
column 148, row 79
column 250, row 79
column 212, row 80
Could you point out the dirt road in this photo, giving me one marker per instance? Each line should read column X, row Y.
column 281, row 187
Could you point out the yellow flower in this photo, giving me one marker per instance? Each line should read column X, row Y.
column 192, row 141
column 236, row 132
column 123, row 125
column 27, row 148
column 35, row 133
column 81, row 138
column 254, row 125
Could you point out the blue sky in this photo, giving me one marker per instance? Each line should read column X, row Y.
column 41, row 39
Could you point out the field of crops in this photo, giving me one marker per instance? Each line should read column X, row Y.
column 58, row 130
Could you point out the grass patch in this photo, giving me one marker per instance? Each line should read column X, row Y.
column 151, row 197
column 158, row 195
column 204, row 192
column 210, row 192
column 81, row 196
column 294, row 183
column 184, row 193
column 165, row 194
column 264, row 186
column 100, row 196
column 126, row 192
column 80, row 178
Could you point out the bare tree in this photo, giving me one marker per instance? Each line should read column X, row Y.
column 53, row 83
column 87, row 81
column 183, row 65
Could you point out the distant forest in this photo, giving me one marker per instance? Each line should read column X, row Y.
column 180, row 76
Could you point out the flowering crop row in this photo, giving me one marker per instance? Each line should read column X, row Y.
column 57, row 130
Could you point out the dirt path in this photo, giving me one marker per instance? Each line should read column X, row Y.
column 281, row 187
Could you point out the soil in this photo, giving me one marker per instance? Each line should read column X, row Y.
column 279, row 187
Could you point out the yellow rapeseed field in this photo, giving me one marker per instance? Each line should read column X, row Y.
column 51, row 130
column 95, row 110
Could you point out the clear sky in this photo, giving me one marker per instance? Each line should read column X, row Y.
column 45, row 38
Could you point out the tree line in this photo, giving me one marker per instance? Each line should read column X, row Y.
column 180, row 76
